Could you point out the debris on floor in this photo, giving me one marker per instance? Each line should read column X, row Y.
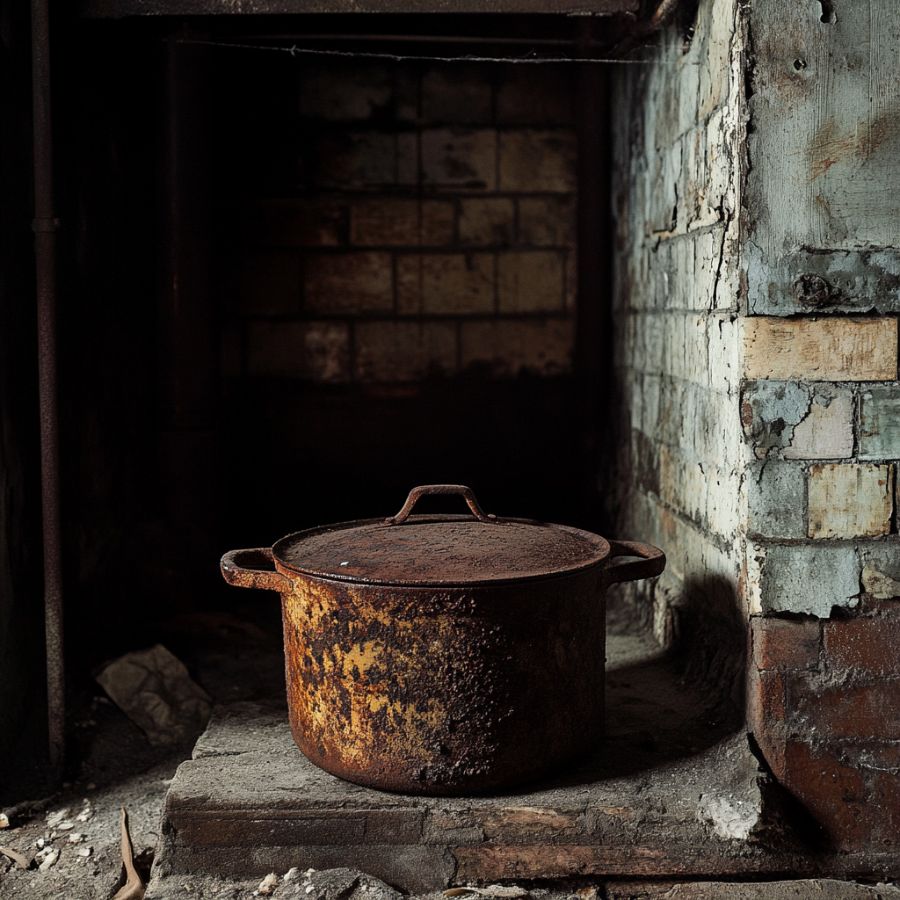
column 133, row 889
column 153, row 688
column 46, row 858
column 267, row 886
column 18, row 858
column 494, row 891
column 73, row 847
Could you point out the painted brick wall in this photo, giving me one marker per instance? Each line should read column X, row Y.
column 757, row 309
column 676, row 315
column 421, row 223
column 819, row 408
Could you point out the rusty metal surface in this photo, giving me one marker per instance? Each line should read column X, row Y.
column 440, row 550
column 443, row 691
column 45, row 225
column 651, row 561
column 437, row 490
column 253, row 569
column 443, row 654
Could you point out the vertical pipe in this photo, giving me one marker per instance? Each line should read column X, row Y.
column 593, row 334
column 45, row 225
column 188, row 369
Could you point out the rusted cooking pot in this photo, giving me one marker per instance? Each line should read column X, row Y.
column 438, row 654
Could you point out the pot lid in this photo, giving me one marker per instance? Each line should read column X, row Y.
column 440, row 550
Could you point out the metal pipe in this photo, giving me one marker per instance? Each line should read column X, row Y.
column 45, row 225
column 593, row 332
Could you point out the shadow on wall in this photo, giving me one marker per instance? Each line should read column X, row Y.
column 684, row 697
column 710, row 642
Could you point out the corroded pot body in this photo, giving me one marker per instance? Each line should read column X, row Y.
column 443, row 689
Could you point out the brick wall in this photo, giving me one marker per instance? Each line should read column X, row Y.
column 819, row 411
column 413, row 222
column 676, row 311
column 758, row 372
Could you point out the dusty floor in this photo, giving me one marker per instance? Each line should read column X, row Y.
column 236, row 659
column 113, row 765
column 233, row 658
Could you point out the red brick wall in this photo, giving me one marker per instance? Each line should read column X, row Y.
column 824, row 706
column 421, row 223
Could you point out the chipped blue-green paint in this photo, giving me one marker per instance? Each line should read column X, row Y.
column 879, row 422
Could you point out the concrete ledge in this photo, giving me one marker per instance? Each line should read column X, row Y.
column 249, row 803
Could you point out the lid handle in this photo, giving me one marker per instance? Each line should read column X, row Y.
column 426, row 489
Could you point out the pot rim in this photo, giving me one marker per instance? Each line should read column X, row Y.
column 598, row 559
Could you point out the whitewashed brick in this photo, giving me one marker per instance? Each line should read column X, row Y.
column 802, row 578
column 797, row 421
column 848, row 500
column 840, row 349
column 879, row 422
column 881, row 569
column 826, row 432
column 776, row 499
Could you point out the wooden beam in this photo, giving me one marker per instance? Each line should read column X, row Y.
column 119, row 9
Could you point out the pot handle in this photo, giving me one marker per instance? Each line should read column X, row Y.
column 652, row 561
column 427, row 489
column 253, row 569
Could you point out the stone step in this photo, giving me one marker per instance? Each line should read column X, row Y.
column 249, row 803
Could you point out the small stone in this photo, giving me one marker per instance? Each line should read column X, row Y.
column 84, row 852
column 76, row 837
column 47, row 859
column 86, row 814
column 267, row 886
column 55, row 818
column 4, row 820
column 291, row 875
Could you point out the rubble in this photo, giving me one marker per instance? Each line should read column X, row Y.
column 153, row 688
column 46, row 858
column 267, row 886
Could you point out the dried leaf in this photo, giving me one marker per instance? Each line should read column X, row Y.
column 133, row 889
column 15, row 856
